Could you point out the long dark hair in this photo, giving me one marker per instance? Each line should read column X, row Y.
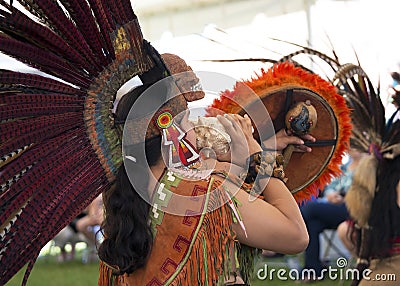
column 384, row 218
column 127, row 234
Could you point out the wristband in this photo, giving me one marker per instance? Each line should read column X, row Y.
column 264, row 165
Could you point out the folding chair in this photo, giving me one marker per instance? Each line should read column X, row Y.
column 331, row 246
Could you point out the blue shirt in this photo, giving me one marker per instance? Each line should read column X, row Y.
column 340, row 184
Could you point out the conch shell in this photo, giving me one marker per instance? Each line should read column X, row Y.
column 210, row 133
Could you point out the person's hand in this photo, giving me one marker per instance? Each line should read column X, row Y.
column 283, row 138
column 239, row 128
column 334, row 198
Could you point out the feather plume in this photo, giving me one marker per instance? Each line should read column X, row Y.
column 14, row 25
column 34, row 9
column 312, row 52
column 120, row 8
column 45, row 61
column 368, row 111
column 58, row 147
column 362, row 190
column 112, row 6
column 22, row 81
column 80, row 13
column 62, row 25
column 103, row 19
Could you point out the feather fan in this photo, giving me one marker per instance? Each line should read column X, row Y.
column 58, row 148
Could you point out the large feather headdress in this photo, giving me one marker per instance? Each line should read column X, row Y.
column 58, row 145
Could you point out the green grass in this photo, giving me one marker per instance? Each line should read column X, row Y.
column 48, row 272
column 73, row 273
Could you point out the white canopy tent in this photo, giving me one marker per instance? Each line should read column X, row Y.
column 363, row 29
column 199, row 30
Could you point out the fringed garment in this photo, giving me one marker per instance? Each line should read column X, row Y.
column 189, row 249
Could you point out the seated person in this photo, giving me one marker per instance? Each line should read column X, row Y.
column 87, row 224
column 69, row 235
column 343, row 232
column 327, row 212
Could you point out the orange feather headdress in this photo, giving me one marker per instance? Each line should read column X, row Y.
column 307, row 172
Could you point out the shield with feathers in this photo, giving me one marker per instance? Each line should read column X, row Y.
column 281, row 88
column 58, row 145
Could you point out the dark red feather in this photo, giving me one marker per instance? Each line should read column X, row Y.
column 50, row 167
column 17, row 79
column 80, row 12
column 17, row 23
column 103, row 19
column 43, row 60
